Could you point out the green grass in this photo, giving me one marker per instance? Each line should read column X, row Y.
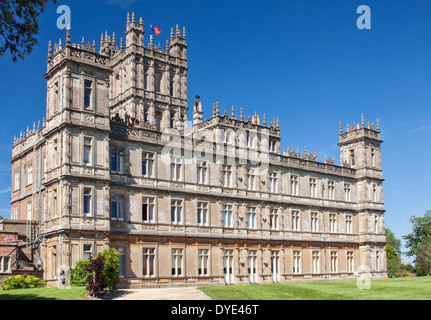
column 415, row 288
column 48, row 293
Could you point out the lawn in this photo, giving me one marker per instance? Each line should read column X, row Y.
column 415, row 288
column 49, row 293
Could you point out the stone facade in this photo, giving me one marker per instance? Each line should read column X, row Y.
column 116, row 165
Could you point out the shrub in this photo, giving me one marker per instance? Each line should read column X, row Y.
column 95, row 279
column 78, row 275
column 111, row 267
column 19, row 282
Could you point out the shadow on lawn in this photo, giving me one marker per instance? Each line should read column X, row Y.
column 26, row 296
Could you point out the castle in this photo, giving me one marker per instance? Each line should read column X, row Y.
column 115, row 164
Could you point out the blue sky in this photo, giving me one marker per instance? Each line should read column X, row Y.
column 303, row 61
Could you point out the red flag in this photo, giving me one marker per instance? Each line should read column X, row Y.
column 156, row 30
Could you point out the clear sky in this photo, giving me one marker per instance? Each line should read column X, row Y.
column 303, row 61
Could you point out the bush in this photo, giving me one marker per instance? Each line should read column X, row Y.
column 78, row 275
column 19, row 282
column 111, row 267
column 96, row 281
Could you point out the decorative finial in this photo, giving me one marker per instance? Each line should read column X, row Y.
column 113, row 39
column 378, row 125
column 233, row 113
column 141, row 21
column 128, row 18
column 49, row 49
column 264, row 120
column 362, row 121
column 278, row 125
column 177, row 32
column 184, row 33
column 133, row 16
column 68, row 35
column 172, row 34
column 340, row 130
column 82, row 43
column 241, row 115
column 167, row 47
column 121, row 44
column 217, row 109
column 214, row 110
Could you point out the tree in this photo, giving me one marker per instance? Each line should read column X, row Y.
column 421, row 233
column 423, row 259
column 111, row 267
column 95, row 279
column 393, row 242
column 19, row 26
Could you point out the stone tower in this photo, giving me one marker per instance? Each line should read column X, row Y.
column 360, row 149
column 150, row 83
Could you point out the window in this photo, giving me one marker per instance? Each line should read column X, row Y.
column 294, row 185
column 316, row 261
column 56, row 102
column 347, row 188
column 313, row 187
column 145, row 114
column 296, row 262
column 352, row 158
column 201, row 173
column 176, row 208
column 147, row 209
column 252, row 265
column 87, row 201
column 334, row 261
column 250, row 140
column 228, row 258
column 148, row 262
column 88, row 86
column 332, row 222
column 295, row 220
column 376, row 224
column 272, row 145
column 171, row 85
column 87, row 150
column 29, row 211
column 331, row 190
column 172, row 120
column 54, row 202
column 373, row 158
column 146, row 79
column 86, row 251
column 203, row 262
column 250, row 178
column 16, row 185
column 227, row 215
column 16, row 213
column 176, row 168
column 225, row 136
column 273, row 219
column 29, row 175
column 314, row 222
column 117, row 160
column 117, row 207
column 349, row 223
column 377, row 261
column 272, row 177
column 350, row 264
column 226, row 171
column 5, row 264
column 147, row 164
column 121, row 262
column 177, row 262
column 251, row 217
column 202, row 210
column 374, row 193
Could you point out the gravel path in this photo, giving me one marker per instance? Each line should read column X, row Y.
column 186, row 293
